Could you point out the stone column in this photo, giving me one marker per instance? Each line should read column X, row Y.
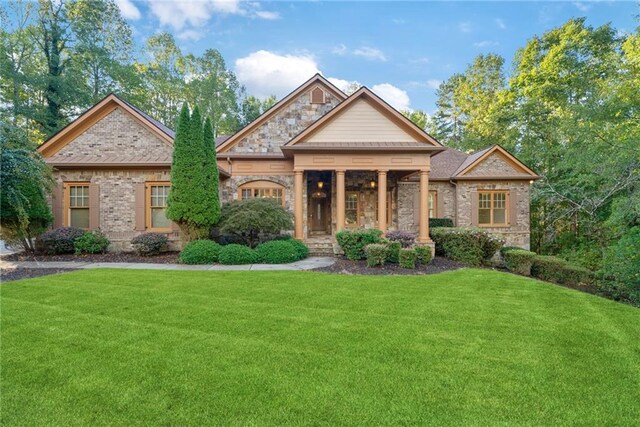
column 340, row 200
column 298, row 211
column 423, row 235
column 382, row 200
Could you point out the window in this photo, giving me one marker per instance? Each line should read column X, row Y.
column 351, row 209
column 77, row 204
column 433, row 204
column 492, row 208
column 262, row 190
column 156, row 203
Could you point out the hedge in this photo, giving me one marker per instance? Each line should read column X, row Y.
column 376, row 254
column 59, row 241
column 147, row 244
column 469, row 245
column 91, row 242
column 353, row 242
column 200, row 252
column 281, row 251
column 519, row 261
column 393, row 252
column 554, row 269
column 440, row 222
column 407, row 258
column 237, row 254
column 423, row 254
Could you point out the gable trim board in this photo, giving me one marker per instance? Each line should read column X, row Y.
column 94, row 114
column 316, row 80
column 376, row 102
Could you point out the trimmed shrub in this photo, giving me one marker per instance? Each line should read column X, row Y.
column 440, row 222
column 407, row 258
column 423, row 254
column 91, row 242
column 506, row 249
column 279, row 252
column 200, row 252
column 469, row 245
column 236, row 255
column 405, row 238
column 147, row 244
column 252, row 219
column 60, row 240
column 547, row 268
column 519, row 261
column 302, row 251
column 353, row 242
column 393, row 252
column 376, row 254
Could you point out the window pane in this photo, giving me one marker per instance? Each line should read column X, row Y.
column 79, row 217
column 351, row 217
column 499, row 200
column 484, row 200
column 246, row 193
column 499, row 216
column 484, row 216
column 158, row 218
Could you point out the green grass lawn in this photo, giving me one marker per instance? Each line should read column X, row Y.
column 472, row 346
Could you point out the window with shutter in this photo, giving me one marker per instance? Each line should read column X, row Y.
column 76, row 209
column 156, row 206
column 492, row 208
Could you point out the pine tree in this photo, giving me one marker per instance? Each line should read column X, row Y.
column 211, row 170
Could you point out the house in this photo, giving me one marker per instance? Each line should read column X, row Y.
column 335, row 161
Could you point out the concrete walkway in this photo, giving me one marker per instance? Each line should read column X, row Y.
column 305, row 264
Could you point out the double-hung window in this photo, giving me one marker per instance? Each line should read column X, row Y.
column 77, row 211
column 492, row 208
column 156, row 206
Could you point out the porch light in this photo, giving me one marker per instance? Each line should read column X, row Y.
column 372, row 184
column 320, row 184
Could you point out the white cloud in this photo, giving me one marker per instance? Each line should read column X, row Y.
column 485, row 43
column 346, row 86
column 421, row 60
column 396, row 97
column 128, row 9
column 340, row 50
column 265, row 14
column 190, row 35
column 266, row 73
column 370, row 53
column 501, row 24
column 581, row 6
column 434, row 83
column 464, row 27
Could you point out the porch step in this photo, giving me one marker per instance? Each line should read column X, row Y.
column 323, row 248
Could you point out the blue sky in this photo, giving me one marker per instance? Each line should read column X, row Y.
column 402, row 50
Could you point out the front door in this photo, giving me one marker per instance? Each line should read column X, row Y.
column 319, row 214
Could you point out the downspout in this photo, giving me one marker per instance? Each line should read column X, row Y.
column 455, row 202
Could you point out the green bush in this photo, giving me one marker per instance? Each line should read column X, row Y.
column 59, row 241
column 506, row 249
column 621, row 270
column 423, row 254
column 554, row 269
column 237, row 254
column 469, row 245
column 280, row 252
column 302, row 251
column 519, row 261
column 200, row 252
column 91, row 242
column 407, row 258
column 376, row 254
column 353, row 242
column 393, row 252
column 440, row 222
column 147, row 244
column 250, row 219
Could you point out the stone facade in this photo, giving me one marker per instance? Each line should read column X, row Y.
column 116, row 135
column 494, row 165
column 286, row 124
column 118, row 200
column 229, row 187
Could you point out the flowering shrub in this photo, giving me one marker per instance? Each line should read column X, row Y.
column 405, row 238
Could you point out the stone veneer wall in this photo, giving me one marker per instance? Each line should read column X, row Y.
column 494, row 165
column 117, row 201
column 286, row 124
column 514, row 235
column 116, row 135
column 446, row 202
column 229, row 187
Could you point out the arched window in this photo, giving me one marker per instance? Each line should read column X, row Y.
column 262, row 189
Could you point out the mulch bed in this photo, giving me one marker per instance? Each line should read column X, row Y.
column 10, row 274
column 345, row 266
column 129, row 257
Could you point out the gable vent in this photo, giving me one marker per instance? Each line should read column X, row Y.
column 317, row 96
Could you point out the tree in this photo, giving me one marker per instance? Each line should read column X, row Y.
column 211, row 170
column 252, row 107
column 249, row 219
column 189, row 203
column 24, row 178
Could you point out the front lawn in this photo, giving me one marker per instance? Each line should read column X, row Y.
column 130, row 347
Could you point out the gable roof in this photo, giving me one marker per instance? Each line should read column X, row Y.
column 100, row 110
column 476, row 158
column 284, row 102
column 422, row 140
column 444, row 164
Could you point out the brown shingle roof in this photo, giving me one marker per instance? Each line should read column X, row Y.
column 444, row 164
column 471, row 159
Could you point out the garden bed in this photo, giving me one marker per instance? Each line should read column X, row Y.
column 128, row 257
column 345, row 266
column 11, row 274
